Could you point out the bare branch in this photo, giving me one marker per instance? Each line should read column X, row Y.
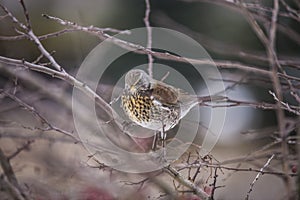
column 167, row 56
column 19, row 150
column 31, row 35
column 258, row 175
column 40, row 117
column 274, row 65
column 149, row 40
column 10, row 188
column 87, row 90
column 28, row 24
column 11, row 181
column 294, row 14
column 272, row 75
column 285, row 105
column 61, row 32
column 277, row 87
column 214, row 184
column 202, row 164
column 177, row 176
column 236, row 6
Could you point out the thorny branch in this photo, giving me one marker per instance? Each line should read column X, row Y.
column 274, row 66
column 276, row 73
column 42, row 119
column 166, row 56
column 58, row 72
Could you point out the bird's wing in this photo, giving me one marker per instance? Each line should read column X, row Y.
column 164, row 93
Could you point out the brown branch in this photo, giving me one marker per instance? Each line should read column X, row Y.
column 59, row 33
column 149, row 34
column 185, row 166
column 236, row 6
column 220, row 47
column 284, row 104
column 178, row 177
column 7, row 169
column 258, row 175
column 214, row 184
column 12, row 190
column 31, row 35
column 220, row 101
column 19, row 150
column 114, row 122
column 294, row 14
column 167, row 56
column 10, row 179
column 59, row 72
column 28, row 24
column 277, row 87
column 40, row 117
column 257, row 8
column 274, row 65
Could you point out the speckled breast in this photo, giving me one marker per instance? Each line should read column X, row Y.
column 148, row 112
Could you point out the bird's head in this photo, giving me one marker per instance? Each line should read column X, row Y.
column 135, row 79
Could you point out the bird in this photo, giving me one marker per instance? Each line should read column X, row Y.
column 154, row 104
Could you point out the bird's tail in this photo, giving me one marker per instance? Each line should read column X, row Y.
column 189, row 101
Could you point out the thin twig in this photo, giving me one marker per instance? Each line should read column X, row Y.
column 42, row 119
column 286, row 105
column 291, row 12
column 270, row 47
column 61, row 32
column 260, row 9
column 177, row 176
column 118, row 127
column 19, row 150
column 167, row 56
column 165, row 76
column 214, row 184
column 236, row 6
column 149, row 36
column 277, row 87
column 185, row 166
column 274, row 65
column 28, row 24
column 261, row 172
column 31, row 35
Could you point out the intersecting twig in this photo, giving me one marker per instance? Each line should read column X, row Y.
column 284, row 104
column 277, row 87
column 59, row 72
column 29, row 33
column 274, row 66
column 177, row 176
column 276, row 72
column 164, row 55
column 186, row 166
column 19, row 150
column 42, row 119
column 9, row 180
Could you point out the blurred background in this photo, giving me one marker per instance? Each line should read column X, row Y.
column 218, row 26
